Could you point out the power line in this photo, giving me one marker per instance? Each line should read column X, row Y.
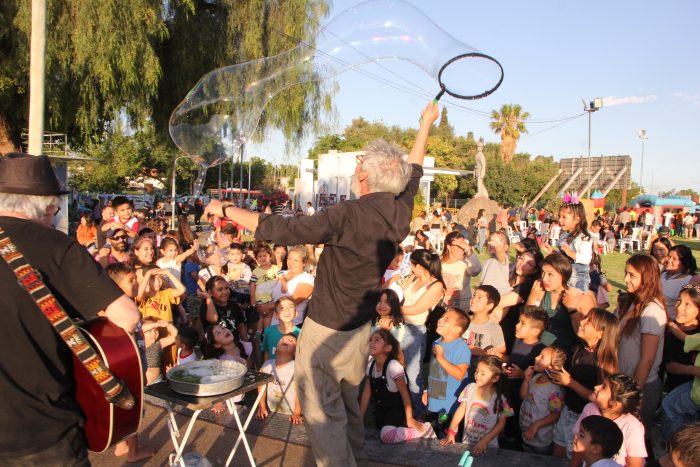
column 418, row 92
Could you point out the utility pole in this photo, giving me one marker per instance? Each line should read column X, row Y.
column 593, row 106
column 642, row 134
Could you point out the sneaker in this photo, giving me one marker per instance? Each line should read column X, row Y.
column 429, row 432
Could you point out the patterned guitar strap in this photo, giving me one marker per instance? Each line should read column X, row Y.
column 115, row 391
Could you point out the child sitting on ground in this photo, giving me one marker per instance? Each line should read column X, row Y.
column 597, row 440
column 156, row 301
column 281, row 395
column 483, row 408
column 285, row 311
column 484, row 336
column 186, row 342
column 448, row 367
column 388, row 314
column 542, row 402
column 386, row 388
column 618, row 399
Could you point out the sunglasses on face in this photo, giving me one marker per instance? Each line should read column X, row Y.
column 119, row 237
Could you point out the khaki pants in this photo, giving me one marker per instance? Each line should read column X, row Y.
column 329, row 367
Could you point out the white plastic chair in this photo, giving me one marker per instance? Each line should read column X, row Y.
column 538, row 225
column 631, row 241
column 512, row 237
column 523, row 226
column 554, row 238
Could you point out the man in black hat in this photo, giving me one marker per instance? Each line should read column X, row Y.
column 41, row 421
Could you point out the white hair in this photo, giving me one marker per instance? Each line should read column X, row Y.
column 387, row 171
column 31, row 206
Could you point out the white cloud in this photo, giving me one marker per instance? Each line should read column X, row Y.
column 612, row 101
column 694, row 98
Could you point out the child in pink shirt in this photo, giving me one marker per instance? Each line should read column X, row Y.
column 618, row 398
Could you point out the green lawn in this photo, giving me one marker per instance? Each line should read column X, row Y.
column 613, row 266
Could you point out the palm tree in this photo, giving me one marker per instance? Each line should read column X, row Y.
column 509, row 123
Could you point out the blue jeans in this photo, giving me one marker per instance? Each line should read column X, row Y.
column 482, row 239
column 580, row 276
column 678, row 409
column 413, row 346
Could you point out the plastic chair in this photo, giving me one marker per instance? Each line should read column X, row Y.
column 512, row 237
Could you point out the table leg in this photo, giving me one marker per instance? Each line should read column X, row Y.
column 175, row 433
column 242, row 429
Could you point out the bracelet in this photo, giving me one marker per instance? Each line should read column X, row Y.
column 223, row 209
column 450, row 431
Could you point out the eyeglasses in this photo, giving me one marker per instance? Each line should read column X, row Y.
column 360, row 159
column 58, row 209
column 119, row 237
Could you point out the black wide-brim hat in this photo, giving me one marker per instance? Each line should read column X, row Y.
column 24, row 174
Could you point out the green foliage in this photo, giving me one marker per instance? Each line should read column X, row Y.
column 685, row 192
column 418, row 204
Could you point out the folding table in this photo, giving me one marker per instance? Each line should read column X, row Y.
column 252, row 381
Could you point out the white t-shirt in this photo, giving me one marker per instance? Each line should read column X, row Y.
column 479, row 417
column 292, row 284
column 310, row 211
column 190, row 358
column 488, row 334
column 651, row 321
column 543, row 399
column 671, row 287
column 393, row 372
column 172, row 266
column 496, row 274
column 395, row 286
column 632, row 434
column 281, row 392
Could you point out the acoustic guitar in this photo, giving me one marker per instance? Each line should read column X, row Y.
column 105, row 423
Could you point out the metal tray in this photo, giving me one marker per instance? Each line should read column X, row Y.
column 234, row 372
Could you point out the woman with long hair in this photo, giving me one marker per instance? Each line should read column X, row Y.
column 422, row 241
column 680, row 267
column 185, row 236
column 142, row 254
column 659, row 249
column 527, row 270
column 424, row 289
column 643, row 323
column 564, row 305
column 86, row 234
column 593, row 360
column 459, row 262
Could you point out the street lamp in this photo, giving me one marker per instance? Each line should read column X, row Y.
column 591, row 107
column 172, row 194
column 642, row 134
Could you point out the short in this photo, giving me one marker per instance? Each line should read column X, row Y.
column 564, row 430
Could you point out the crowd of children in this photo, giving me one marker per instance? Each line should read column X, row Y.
column 566, row 377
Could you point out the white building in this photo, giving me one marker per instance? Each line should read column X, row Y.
column 334, row 173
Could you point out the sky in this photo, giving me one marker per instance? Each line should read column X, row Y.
column 642, row 57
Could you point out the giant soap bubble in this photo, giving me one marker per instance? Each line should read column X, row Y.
column 222, row 111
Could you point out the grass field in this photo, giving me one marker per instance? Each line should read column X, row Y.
column 613, row 266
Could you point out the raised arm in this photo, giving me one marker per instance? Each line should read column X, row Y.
column 428, row 117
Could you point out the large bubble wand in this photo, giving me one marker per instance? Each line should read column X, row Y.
column 222, row 111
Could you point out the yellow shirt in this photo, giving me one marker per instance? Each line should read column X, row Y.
column 159, row 306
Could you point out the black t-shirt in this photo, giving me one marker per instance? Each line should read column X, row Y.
column 673, row 352
column 360, row 238
column 230, row 314
column 36, row 382
column 582, row 368
column 511, row 318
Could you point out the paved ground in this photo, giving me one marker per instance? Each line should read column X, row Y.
column 278, row 443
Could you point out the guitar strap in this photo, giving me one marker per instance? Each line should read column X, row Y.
column 31, row 281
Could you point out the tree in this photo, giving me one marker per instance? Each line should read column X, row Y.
column 509, row 123
column 443, row 129
column 140, row 58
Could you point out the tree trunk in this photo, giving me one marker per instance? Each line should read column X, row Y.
column 6, row 144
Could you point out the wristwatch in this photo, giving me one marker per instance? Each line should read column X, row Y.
column 224, row 207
